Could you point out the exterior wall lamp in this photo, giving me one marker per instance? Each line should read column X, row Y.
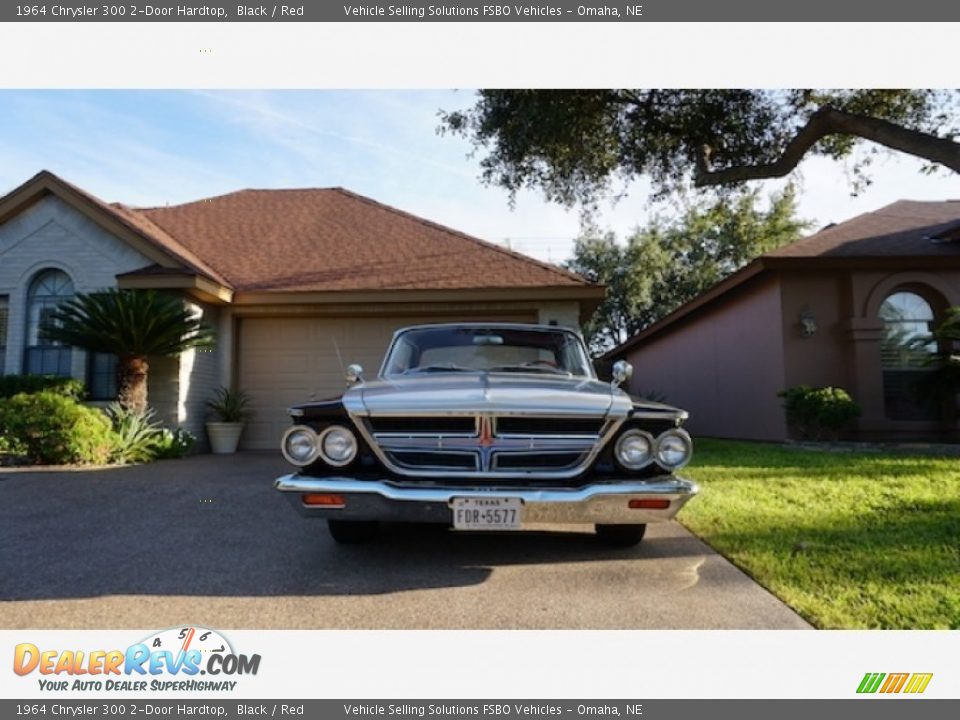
column 808, row 322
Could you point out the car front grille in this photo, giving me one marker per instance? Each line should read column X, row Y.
column 479, row 446
column 466, row 425
column 549, row 426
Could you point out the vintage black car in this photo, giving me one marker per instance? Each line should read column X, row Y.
column 487, row 427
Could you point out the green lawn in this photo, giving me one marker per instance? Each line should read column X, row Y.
column 847, row 540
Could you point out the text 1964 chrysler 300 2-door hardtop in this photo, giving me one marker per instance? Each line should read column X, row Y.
column 487, row 427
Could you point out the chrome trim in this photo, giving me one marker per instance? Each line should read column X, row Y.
column 600, row 419
column 414, row 435
column 438, row 468
column 323, row 455
column 500, row 455
column 454, row 443
column 283, row 445
column 393, row 435
column 597, row 503
column 589, row 446
column 650, row 440
column 651, row 415
column 683, row 435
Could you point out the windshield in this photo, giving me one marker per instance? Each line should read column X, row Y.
column 487, row 349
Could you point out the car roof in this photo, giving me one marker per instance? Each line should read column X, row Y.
column 505, row 325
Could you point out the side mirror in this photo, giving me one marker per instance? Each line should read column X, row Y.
column 622, row 371
column 354, row 373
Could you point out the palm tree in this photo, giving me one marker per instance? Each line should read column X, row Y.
column 134, row 325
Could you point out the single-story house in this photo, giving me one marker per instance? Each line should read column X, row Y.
column 296, row 283
column 837, row 308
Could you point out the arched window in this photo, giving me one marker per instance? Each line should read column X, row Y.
column 43, row 357
column 907, row 320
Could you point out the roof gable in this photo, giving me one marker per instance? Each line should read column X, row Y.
column 163, row 250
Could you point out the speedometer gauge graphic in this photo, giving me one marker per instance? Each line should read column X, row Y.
column 180, row 640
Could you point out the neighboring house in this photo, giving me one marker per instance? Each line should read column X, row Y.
column 837, row 308
column 297, row 283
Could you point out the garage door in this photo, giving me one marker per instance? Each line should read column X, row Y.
column 283, row 361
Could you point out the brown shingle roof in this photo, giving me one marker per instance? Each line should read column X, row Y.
column 904, row 228
column 332, row 239
column 311, row 240
column 142, row 224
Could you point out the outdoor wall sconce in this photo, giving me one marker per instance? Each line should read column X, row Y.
column 808, row 322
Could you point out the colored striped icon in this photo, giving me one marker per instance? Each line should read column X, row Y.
column 894, row 683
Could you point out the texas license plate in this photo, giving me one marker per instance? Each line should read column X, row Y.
column 487, row 513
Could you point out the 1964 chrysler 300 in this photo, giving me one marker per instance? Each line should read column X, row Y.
column 487, row 427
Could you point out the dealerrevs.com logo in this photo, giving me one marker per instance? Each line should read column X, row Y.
column 891, row 683
column 169, row 660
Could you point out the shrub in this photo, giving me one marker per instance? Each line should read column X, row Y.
column 137, row 433
column 818, row 413
column 9, row 445
column 140, row 437
column 50, row 428
column 174, row 443
column 11, row 385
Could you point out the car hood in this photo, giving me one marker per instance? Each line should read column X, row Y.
column 495, row 393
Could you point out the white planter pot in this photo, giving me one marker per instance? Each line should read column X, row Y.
column 224, row 437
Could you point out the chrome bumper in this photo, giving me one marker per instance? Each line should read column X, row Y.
column 603, row 502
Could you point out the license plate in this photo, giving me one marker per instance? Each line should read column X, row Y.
column 487, row 513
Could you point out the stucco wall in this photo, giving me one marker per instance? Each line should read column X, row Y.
column 825, row 357
column 724, row 366
column 51, row 234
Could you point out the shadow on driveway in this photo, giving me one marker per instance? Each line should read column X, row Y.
column 213, row 526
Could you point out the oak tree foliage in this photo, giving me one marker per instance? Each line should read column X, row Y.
column 670, row 261
column 575, row 145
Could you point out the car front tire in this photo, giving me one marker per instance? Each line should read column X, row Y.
column 621, row 535
column 352, row 532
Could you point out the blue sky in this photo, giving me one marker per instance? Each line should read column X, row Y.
column 159, row 147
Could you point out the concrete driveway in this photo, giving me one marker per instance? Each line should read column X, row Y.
column 206, row 540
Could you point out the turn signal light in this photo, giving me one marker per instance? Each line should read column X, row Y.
column 639, row 504
column 324, row 500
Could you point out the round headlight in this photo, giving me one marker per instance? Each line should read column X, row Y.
column 674, row 448
column 300, row 446
column 338, row 446
column 634, row 449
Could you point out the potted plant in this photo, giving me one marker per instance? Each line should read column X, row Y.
column 230, row 408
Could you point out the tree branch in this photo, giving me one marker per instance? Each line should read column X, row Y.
column 830, row 121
